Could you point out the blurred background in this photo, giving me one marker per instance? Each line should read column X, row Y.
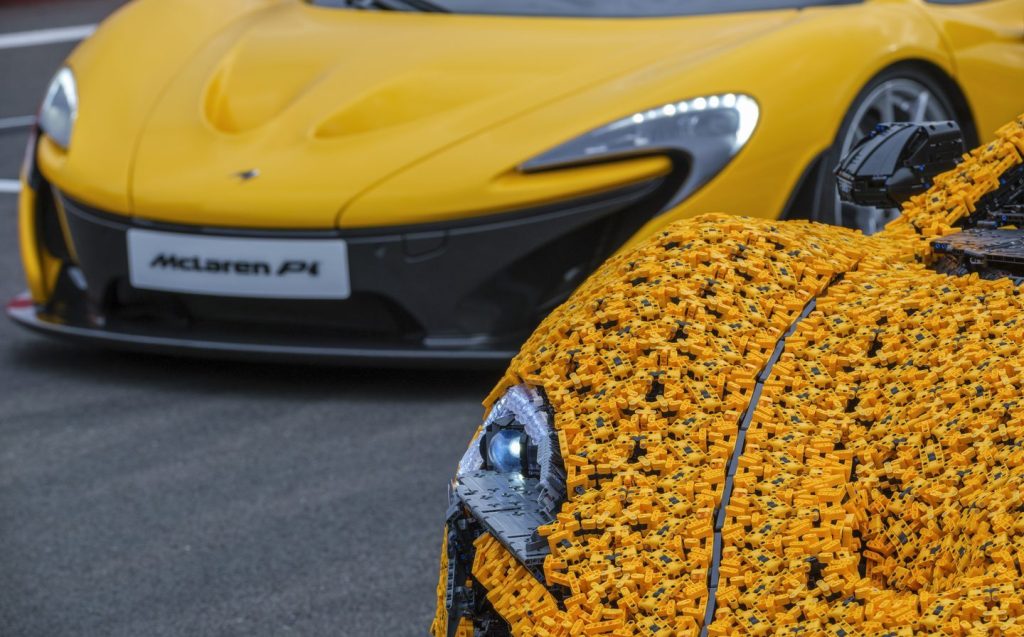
column 158, row 496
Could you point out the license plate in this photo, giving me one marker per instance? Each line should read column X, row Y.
column 234, row 266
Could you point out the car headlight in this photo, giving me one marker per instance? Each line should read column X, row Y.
column 706, row 132
column 510, row 482
column 518, row 441
column 60, row 108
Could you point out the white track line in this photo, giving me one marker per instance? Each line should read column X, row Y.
column 10, row 186
column 21, row 39
column 24, row 121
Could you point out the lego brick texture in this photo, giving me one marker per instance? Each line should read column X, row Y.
column 880, row 485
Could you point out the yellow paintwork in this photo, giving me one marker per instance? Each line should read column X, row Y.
column 31, row 252
column 41, row 268
column 362, row 119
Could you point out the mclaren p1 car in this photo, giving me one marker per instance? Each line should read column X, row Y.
column 403, row 179
column 751, row 427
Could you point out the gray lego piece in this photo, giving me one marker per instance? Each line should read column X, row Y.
column 984, row 246
column 508, row 507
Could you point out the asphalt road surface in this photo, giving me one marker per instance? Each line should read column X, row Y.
column 148, row 496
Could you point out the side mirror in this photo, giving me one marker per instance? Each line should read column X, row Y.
column 897, row 161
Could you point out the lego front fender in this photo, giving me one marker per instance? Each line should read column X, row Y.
column 780, row 428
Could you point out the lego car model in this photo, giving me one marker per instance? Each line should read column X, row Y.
column 751, row 427
column 412, row 180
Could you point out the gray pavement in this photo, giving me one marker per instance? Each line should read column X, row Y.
column 148, row 496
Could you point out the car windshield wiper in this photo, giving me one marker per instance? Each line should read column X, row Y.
column 426, row 6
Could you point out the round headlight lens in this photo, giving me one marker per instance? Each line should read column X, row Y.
column 504, row 451
column 60, row 108
column 519, row 437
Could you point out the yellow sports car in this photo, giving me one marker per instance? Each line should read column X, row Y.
column 751, row 427
column 423, row 180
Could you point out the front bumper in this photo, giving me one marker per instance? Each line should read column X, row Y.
column 22, row 311
column 466, row 294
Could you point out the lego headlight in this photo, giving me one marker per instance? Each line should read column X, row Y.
column 518, row 440
column 708, row 131
column 504, row 451
column 60, row 108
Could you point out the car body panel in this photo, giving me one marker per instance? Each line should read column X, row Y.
column 326, row 103
column 125, row 87
column 38, row 266
column 986, row 40
column 772, row 67
column 370, row 119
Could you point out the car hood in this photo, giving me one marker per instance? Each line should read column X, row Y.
column 289, row 114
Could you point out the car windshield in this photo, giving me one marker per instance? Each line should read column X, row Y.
column 583, row 8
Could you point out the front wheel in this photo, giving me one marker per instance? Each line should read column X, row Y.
column 898, row 95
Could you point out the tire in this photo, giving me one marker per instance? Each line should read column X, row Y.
column 903, row 94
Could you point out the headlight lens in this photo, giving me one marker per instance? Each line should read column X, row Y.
column 518, row 439
column 504, row 451
column 60, row 108
column 708, row 131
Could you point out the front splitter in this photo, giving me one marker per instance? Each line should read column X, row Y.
column 23, row 312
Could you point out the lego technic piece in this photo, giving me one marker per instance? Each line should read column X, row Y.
column 715, row 571
column 994, row 248
column 510, row 483
column 898, row 161
column 1009, row 215
column 460, row 599
column 1004, row 207
column 990, row 252
column 902, row 468
column 960, row 197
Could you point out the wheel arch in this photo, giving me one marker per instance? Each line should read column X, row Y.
column 952, row 90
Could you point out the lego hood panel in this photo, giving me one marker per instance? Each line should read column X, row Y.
column 779, row 428
column 316, row 105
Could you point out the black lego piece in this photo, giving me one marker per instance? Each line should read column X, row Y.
column 897, row 161
column 1004, row 207
column 984, row 248
column 993, row 243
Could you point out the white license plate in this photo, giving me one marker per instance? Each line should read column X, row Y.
column 233, row 266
